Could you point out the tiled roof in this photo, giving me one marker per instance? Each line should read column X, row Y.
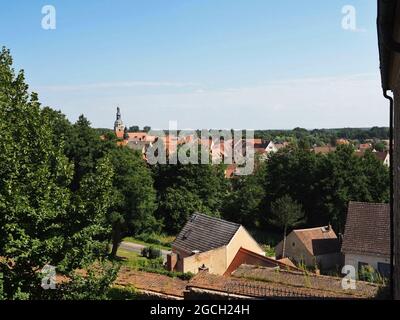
column 367, row 229
column 318, row 241
column 151, row 282
column 312, row 284
column 204, row 233
column 244, row 256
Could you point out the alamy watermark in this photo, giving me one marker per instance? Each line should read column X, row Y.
column 49, row 20
column 203, row 147
column 48, row 277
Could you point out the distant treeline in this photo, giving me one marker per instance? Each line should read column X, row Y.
column 324, row 136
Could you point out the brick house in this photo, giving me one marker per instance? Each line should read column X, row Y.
column 315, row 246
column 367, row 236
column 209, row 243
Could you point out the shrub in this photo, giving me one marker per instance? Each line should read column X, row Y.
column 154, row 253
column 369, row 274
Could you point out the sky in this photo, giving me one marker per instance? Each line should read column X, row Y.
column 243, row 64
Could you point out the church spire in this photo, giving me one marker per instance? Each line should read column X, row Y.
column 119, row 127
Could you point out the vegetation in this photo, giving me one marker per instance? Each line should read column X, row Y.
column 286, row 213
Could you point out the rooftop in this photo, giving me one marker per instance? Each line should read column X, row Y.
column 320, row 240
column 367, row 229
column 204, row 233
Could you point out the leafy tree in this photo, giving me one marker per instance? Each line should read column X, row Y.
column 185, row 189
column 380, row 146
column 286, row 213
column 244, row 203
column 134, row 194
column 41, row 220
column 134, row 129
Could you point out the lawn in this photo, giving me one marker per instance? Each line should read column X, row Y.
column 135, row 261
column 154, row 240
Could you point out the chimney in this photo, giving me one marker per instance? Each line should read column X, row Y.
column 203, row 268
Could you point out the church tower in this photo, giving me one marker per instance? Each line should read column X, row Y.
column 119, row 127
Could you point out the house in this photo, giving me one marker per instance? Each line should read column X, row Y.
column 384, row 157
column 340, row 142
column 367, row 236
column 364, row 146
column 315, row 246
column 209, row 243
column 265, row 147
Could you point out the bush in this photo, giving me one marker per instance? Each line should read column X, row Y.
column 154, row 253
column 369, row 274
column 145, row 252
column 151, row 253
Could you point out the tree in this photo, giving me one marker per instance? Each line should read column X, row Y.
column 286, row 213
column 134, row 129
column 41, row 220
column 184, row 189
column 134, row 194
column 244, row 203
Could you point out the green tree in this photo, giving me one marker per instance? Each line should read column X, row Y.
column 135, row 196
column 41, row 220
column 191, row 187
column 244, row 203
column 286, row 213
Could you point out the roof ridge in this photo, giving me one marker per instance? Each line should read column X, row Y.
column 308, row 229
column 214, row 218
column 369, row 203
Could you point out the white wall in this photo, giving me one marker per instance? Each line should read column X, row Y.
column 354, row 259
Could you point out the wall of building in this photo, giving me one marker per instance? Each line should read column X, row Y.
column 354, row 259
column 242, row 239
column 295, row 250
column 214, row 260
column 329, row 261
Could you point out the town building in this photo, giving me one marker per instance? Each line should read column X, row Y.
column 367, row 237
column 315, row 247
column 209, row 243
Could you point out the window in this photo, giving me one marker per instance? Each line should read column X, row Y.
column 293, row 244
column 384, row 269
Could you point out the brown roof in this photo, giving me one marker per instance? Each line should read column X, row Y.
column 318, row 241
column 287, row 262
column 244, row 256
column 276, row 285
column 367, row 229
column 320, row 284
column 151, row 282
column 203, row 233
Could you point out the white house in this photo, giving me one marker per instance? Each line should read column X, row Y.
column 367, row 236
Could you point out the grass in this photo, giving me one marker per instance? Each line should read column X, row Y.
column 135, row 261
column 155, row 240
column 131, row 259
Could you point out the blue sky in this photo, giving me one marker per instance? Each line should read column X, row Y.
column 205, row 63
